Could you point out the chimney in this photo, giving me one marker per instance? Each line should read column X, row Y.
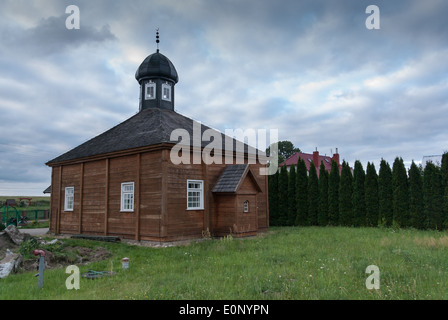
column 316, row 159
column 336, row 157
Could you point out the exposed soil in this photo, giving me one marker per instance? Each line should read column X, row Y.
column 58, row 259
column 68, row 256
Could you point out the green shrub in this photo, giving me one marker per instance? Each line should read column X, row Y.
column 27, row 247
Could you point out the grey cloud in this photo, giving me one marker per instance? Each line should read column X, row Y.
column 50, row 36
column 240, row 63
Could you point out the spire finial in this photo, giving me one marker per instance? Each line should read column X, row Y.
column 157, row 39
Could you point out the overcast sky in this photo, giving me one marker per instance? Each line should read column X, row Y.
column 310, row 69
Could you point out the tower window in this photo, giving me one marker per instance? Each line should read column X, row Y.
column 166, row 92
column 246, row 206
column 150, row 91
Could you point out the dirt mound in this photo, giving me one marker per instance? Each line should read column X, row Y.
column 57, row 254
column 68, row 256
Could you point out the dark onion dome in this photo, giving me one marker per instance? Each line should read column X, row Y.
column 156, row 66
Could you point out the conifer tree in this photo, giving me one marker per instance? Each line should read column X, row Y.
column 302, row 193
column 333, row 194
column 416, row 213
column 273, row 199
column 322, row 215
column 400, row 193
column 292, row 207
column 371, row 196
column 345, row 196
column 444, row 175
column 359, row 202
column 432, row 196
column 385, row 196
column 283, row 196
column 313, row 195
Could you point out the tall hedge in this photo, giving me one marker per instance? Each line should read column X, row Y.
column 345, row 196
column 302, row 193
column 385, row 194
column 273, row 199
column 417, row 198
column 333, row 194
column 313, row 195
column 283, row 204
column 444, row 175
column 432, row 196
column 358, row 198
column 292, row 198
column 322, row 215
column 400, row 193
column 416, row 213
column 371, row 196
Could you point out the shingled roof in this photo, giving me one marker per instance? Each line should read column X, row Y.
column 232, row 177
column 149, row 127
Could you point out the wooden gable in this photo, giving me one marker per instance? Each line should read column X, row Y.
column 237, row 179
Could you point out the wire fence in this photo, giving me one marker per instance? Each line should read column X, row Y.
column 20, row 217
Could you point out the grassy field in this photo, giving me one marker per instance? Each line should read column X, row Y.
column 33, row 198
column 284, row 263
column 34, row 211
column 37, row 203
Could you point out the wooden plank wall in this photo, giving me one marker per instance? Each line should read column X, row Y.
column 225, row 214
column 158, row 215
column 247, row 222
column 68, row 220
column 150, row 226
column 180, row 222
column 262, row 198
column 121, row 170
column 55, row 195
column 94, row 203
column 98, row 194
column 219, row 214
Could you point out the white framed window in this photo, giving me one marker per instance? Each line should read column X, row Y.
column 69, row 198
column 166, row 92
column 246, row 206
column 127, row 197
column 150, row 90
column 195, row 194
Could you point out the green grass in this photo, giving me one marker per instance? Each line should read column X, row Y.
column 284, row 263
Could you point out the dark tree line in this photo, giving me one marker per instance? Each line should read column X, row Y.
column 415, row 198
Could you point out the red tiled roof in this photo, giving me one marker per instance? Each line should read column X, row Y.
column 309, row 157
